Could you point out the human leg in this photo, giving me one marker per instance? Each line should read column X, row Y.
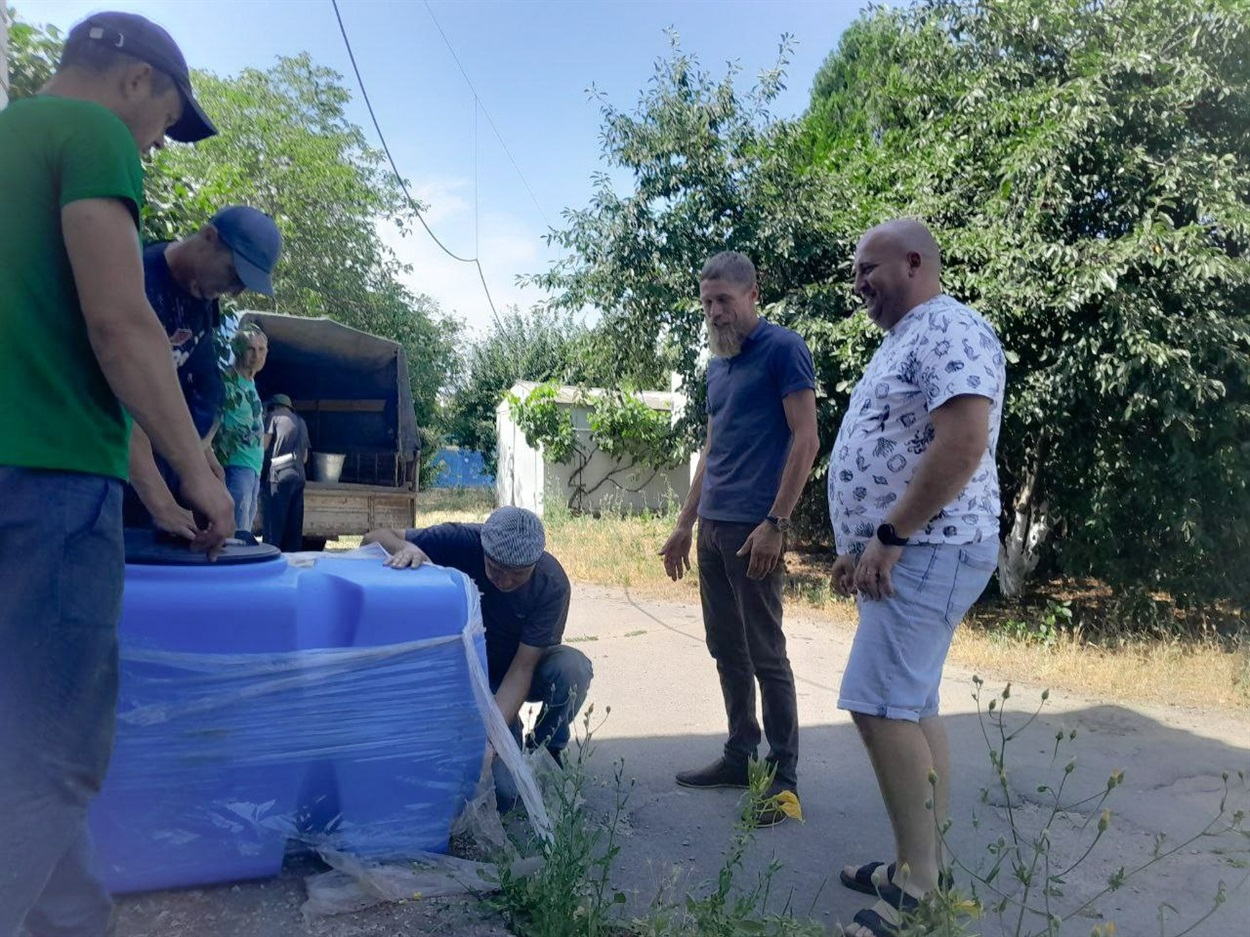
column 561, row 681
column 62, row 556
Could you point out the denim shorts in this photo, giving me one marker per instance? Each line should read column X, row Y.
column 900, row 647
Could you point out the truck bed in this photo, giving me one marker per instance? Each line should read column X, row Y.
column 334, row 509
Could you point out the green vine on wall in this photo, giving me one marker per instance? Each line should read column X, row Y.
column 622, row 427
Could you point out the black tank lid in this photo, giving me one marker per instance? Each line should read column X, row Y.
column 147, row 547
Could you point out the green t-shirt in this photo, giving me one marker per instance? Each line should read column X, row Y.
column 57, row 411
column 241, row 438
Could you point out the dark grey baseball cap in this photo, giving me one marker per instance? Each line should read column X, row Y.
column 139, row 37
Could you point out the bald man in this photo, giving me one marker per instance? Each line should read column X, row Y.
column 913, row 498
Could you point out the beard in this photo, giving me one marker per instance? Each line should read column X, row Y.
column 724, row 342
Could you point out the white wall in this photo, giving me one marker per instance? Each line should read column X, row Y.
column 525, row 479
column 519, row 479
column 615, row 493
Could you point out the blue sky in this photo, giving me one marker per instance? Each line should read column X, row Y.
column 531, row 64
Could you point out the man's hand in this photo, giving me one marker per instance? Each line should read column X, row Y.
column 676, row 552
column 172, row 518
column 409, row 556
column 206, row 494
column 872, row 573
column 213, row 465
column 843, row 575
column 764, row 547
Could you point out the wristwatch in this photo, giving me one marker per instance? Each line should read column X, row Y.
column 889, row 536
column 783, row 524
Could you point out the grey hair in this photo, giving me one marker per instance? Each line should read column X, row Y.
column 729, row 265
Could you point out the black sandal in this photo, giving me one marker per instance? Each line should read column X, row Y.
column 894, row 897
column 862, row 882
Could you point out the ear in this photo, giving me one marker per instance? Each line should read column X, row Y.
column 136, row 78
column 914, row 261
column 209, row 234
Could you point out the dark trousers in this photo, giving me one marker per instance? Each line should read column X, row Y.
column 742, row 618
column 61, row 559
column 560, row 682
column 282, row 512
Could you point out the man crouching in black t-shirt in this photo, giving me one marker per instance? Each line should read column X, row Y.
column 525, row 604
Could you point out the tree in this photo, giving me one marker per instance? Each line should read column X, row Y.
column 541, row 346
column 711, row 170
column 32, row 55
column 1084, row 165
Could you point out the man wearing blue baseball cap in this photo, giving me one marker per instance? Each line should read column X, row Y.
column 525, row 604
column 237, row 250
column 81, row 355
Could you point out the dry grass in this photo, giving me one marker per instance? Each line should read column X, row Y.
column 621, row 551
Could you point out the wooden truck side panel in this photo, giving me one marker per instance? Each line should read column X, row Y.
column 332, row 510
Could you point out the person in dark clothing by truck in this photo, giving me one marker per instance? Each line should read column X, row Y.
column 282, row 494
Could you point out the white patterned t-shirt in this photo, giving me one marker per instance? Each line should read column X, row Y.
column 939, row 350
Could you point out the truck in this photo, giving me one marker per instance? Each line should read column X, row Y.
column 352, row 390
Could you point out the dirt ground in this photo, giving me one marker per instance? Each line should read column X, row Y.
column 652, row 669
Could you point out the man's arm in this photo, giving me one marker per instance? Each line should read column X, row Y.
column 766, row 543
column 800, row 410
column 516, row 682
column 961, row 428
column 133, row 350
column 961, row 435
column 403, row 553
column 167, row 514
column 676, row 549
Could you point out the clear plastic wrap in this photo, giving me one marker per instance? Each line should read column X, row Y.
column 364, row 751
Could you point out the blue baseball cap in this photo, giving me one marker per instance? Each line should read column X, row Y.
column 139, row 37
column 256, row 243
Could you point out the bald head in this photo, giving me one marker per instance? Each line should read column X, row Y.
column 898, row 266
column 906, row 236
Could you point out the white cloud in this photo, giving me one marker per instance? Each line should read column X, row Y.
column 507, row 245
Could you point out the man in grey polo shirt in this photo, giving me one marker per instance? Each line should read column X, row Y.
column 761, row 442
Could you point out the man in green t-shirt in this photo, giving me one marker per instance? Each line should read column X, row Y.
column 81, row 352
column 241, row 440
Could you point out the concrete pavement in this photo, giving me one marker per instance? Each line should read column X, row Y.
column 652, row 669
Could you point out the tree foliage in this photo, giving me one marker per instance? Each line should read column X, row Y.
column 1083, row 163
column 539, row 345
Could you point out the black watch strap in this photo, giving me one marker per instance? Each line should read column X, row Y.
column 889, row 536
column 781, row 523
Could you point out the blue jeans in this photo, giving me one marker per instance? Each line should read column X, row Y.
column 244, row 486
column 560, row 682
column 895, row 667
column 62, row 563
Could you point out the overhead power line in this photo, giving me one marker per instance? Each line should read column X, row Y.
column 478, row 100
column 412, row 202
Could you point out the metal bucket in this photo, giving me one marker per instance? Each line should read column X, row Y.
column 327, row 466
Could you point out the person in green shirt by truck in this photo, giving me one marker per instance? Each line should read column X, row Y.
column 241, row 441
column 81, row 354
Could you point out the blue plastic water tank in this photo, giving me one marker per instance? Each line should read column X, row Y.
column 189, row 796
column 403, row 732
column 260, row 701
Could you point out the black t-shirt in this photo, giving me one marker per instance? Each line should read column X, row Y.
column 534, row 614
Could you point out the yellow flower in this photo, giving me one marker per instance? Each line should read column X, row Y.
column 966, row 906
column 788, row 803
